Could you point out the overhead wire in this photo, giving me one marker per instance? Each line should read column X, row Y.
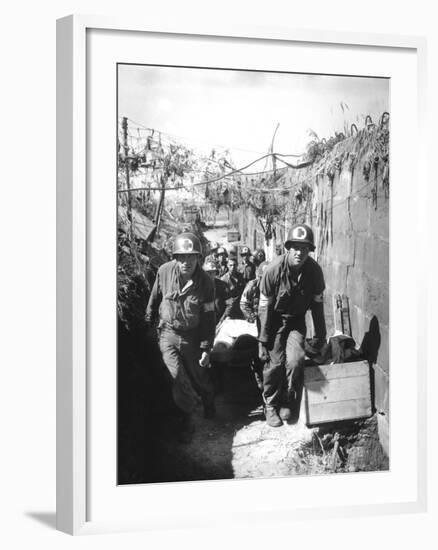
column 142, row 127
column 218, row 178
column 239, row 171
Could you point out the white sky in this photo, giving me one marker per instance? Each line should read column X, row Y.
column 241, row 109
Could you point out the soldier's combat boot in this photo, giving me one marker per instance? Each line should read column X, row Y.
column 272, row 418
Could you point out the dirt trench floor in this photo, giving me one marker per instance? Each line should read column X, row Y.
column 237, row 443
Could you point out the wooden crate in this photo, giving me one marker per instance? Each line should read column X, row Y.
column 337, row 392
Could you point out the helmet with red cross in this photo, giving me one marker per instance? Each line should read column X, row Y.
column 187, row 243
column 302, row 234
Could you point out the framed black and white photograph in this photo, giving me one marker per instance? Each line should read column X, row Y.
column 324, row 170
column 233, row 314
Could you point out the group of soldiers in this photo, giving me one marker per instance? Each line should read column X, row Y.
column 192, row 296
column 233, row 282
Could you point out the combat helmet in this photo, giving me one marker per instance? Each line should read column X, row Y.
column 300, row 233
column 187, row 243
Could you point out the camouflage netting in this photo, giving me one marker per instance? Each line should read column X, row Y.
column 289, row 191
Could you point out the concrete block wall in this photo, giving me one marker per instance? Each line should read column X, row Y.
column 355, row 260
column 350, row 218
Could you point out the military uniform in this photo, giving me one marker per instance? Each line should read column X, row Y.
column 222, row 257
column 222, row 270
column 220, row 298
column 248, row 271
column 235, row 285
column 285, row 296
column 249, row 300
column 249, row 306
column 186, row 328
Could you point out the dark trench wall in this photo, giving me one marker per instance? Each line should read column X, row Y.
column 350, row 217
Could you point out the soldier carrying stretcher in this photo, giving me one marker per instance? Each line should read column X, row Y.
column 292, row 284
column 183, row 300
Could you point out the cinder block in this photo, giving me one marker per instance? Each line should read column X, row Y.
column 376, row 302
column 341, row 220
column 359, row 323
column 379, row 219
column 381, row 389
column 360, row 185
column 360, row 213
column 335, row 276
column 368, row 294
column 383, row 430
column 328, row 313
column 376, row 260
column 344, row 251
column 360, row 244
column 383, row 356
column 344, row 184
column 355, row 288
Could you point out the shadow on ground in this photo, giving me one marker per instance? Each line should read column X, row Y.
column 211, row 453
column 237, row 443
column 46, row 518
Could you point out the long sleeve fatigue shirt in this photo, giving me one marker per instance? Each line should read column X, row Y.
column 220, row 298
column 235, row 285
column 248, row 271
column 250, row 300
column 184, row 309
column 286, row 295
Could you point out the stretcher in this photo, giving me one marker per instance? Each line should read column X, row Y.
column 235, row 343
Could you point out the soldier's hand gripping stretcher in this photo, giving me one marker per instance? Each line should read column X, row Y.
column 204, row 361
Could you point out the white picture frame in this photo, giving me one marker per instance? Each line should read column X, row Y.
column 76, row 210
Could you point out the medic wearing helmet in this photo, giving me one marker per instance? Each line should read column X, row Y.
column 292, row 284
column 222, row 258
column 183, row 300
column 213, row 246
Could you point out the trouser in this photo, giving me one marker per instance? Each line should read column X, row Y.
column 257, row 370
column 191, row 382
column 286, row 360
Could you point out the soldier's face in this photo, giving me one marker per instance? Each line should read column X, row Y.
column 187, row 263
column 298, row 254
column 212, row 274
column 232, row 266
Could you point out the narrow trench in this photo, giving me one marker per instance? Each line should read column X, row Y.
column 237, row 443
column 212, row 452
